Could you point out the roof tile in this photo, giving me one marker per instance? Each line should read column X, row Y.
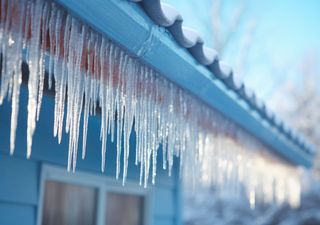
column 167, row 16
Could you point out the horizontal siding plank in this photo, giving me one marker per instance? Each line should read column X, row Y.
column 46, row 148
column 164, row 202
column 163, row 221
column 18, row 180
column 15, row 214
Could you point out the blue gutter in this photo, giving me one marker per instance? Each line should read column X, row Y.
column 127, row 24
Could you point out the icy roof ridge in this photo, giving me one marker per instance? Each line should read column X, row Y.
column 167, row 16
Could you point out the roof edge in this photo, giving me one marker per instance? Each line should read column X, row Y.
column 206, row 79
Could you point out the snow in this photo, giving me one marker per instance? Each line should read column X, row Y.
column 90, row 71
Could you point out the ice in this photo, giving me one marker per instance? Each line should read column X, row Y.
column 43, row 45
column 90, row 72
column 33, row 62
column 11, row 78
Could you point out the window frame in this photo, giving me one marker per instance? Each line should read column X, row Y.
column 102, row 183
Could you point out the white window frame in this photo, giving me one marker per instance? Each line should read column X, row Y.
column 102, row 183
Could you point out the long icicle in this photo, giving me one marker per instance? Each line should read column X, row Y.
column 33, row 62
column 91, row 72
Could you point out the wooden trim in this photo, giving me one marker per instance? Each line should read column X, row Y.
column 103, row 185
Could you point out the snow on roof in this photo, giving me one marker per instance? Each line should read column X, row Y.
column 167, row 16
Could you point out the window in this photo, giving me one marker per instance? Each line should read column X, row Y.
column 129, row 206
column 66, row 204
column 88, row 199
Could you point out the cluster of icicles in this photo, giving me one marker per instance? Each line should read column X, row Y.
column 235, row 163
column 89, row 72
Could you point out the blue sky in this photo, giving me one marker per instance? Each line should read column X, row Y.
column 285, row 32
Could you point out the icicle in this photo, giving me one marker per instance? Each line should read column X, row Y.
column 62, row 85
column 6, row 76
column 106, row 113
column 86, row 113
column 119, row 107
column 90, row 71
column 43, row 45
column 15, row 59
column 53, row 42
column 33, row 62
column 76, row 99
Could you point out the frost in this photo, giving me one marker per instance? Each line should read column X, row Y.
column 90, row 72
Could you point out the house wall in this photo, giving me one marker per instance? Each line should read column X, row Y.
column 20, row 178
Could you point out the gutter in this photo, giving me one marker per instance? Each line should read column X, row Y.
column 196, row 70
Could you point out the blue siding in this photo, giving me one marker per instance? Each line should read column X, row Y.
column 17, row 214
column 164, row 203
column 19, row 178
column 163, row 221
column 18, row 191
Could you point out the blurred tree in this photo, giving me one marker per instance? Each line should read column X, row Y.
column 232, row 28
column 305, row 114
column 298, row 101
column 302, row 111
